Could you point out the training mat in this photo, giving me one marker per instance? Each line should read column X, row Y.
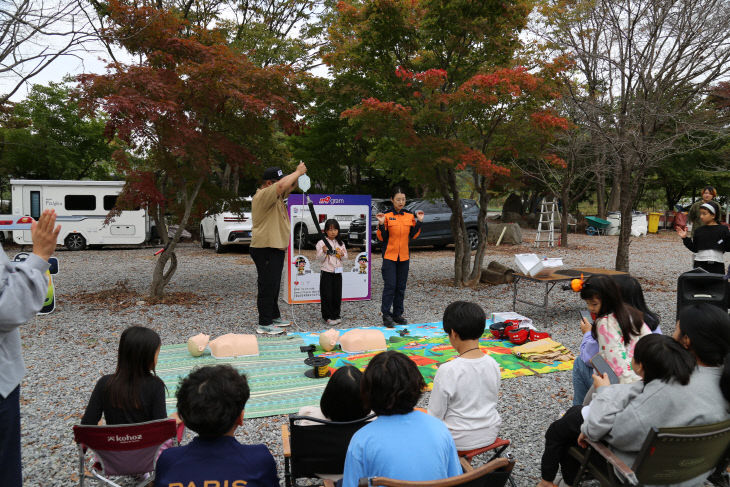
column 428, row 346
column 275, row 375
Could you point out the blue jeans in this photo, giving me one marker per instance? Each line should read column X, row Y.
column 582, row 380
column 395, row 277
column 11, row 473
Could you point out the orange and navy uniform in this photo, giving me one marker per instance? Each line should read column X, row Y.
column 398, row 229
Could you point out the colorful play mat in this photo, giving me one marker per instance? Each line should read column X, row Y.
column 276, row 375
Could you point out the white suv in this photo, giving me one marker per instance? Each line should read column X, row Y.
column 227, row 228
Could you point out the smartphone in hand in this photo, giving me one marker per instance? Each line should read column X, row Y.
column 602, row 367
column 586, row 315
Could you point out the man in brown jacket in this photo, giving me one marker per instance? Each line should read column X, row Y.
column 269, row 240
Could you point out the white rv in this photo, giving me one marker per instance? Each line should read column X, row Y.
column 82, row 207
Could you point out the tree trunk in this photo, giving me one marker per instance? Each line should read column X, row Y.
column 160, row 276
column 614, row 200
column 626, row 205
column 564, row 195
column 476, row 270
column 601, row 193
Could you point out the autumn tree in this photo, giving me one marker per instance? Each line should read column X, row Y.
column 444, row 96
column 645, row 68
column 190, row 106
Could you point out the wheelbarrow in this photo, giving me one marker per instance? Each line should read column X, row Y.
column 596, row 226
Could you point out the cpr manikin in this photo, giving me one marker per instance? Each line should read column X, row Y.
column 197, row 344
column 234, row 345
column 355, row 341
column 328, row 339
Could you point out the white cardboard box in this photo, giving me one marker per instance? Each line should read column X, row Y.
column 532, row 265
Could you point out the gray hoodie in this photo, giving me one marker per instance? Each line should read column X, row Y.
column 23, row 289
column 623, row 414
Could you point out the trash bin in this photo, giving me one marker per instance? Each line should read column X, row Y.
column 654, row 222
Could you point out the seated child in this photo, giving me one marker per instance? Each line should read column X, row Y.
column 465, row 390
column 623, row 414
column 633, row 296
column 133, row 393
column 341, row 400
column 401, row 443
column 210, row 401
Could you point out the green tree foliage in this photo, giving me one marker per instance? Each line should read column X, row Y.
column 444, row 95
column 45, row 137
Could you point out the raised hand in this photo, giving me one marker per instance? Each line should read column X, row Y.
column 682, row 232
column 381, row 218
column 420, row 214
column 301, row 168
column 43, row 234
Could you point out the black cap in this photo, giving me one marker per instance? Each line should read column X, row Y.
column 272, row 173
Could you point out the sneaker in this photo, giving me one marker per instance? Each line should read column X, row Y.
column 400, row 320
column 337, row 321
column 331, row 322
column 388, row 321
column 281, row 322
column 269, row 330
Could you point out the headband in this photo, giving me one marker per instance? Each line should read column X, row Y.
column 708, row 207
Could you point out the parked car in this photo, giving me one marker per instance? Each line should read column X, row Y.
column 227, row 228
column 436, row 228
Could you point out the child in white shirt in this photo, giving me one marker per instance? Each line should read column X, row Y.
column 465, row 389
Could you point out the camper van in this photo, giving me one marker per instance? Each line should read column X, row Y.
column 82, row 207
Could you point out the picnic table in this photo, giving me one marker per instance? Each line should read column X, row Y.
column 562, row 275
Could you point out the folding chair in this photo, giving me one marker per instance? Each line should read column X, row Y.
column 122, row 450
column 668, row 456
column 499, row 446
column 316, row 449
column 491, row 474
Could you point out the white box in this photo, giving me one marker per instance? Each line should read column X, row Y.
column 525, row 262
column 545, row 267
column 532, row 265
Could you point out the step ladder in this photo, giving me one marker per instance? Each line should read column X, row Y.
column 549, row 216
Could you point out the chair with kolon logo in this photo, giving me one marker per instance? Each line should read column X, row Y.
column 122, row 450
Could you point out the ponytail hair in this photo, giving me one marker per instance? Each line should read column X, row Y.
column 663, row 358
column 604, row 288
column 708, row 329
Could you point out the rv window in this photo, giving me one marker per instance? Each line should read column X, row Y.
column 35, row 204
column 83, row 202
column 109, row 201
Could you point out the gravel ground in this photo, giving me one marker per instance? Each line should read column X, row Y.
column 67, row 351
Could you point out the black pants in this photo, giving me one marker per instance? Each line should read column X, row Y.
column 269, row 265
column 10, row 469
column 714, row 267
column 395, row 278
column 330, row 294
column 559, row 438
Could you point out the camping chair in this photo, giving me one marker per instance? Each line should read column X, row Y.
column 491, row 474
column 668, row 456
column 499, row 446
column 121, row 450
column 316, row 449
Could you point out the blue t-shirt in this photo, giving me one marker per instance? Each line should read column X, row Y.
column 413, row 446
column 219, row 460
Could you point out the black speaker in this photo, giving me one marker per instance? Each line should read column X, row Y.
column 699, row 286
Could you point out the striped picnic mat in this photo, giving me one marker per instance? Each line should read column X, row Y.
column 275, row 376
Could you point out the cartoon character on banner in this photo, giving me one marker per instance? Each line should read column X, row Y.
column 301, row 264
column 362, row 263
column 49, row 304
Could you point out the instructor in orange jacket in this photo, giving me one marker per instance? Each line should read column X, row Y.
column 395, row 229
